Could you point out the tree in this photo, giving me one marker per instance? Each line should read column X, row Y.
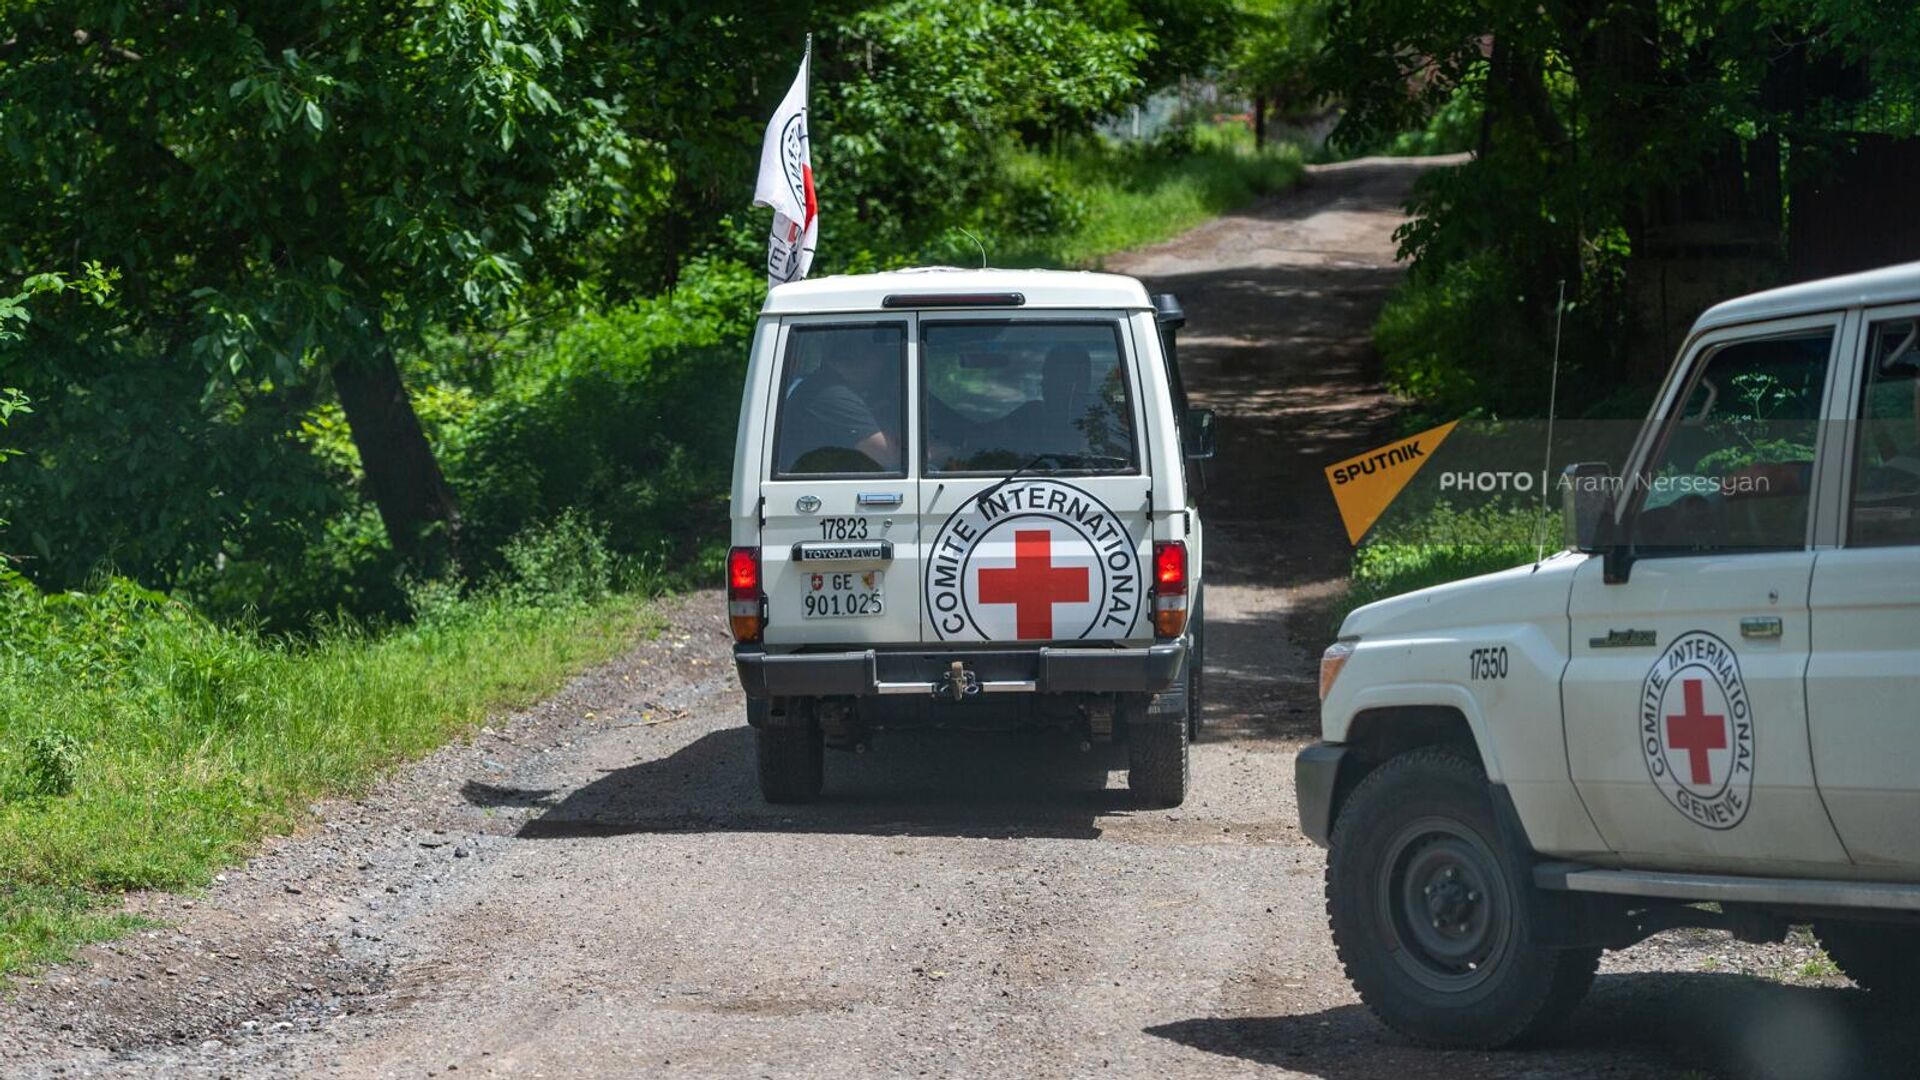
column 301, row 188
column 1613, row 134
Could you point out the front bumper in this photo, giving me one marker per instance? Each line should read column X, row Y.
column 1316, row 779
column 1044, row 670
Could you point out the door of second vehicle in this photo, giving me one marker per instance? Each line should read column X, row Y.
column 1684, row 700
column 1034, row 488
column 1863, row 684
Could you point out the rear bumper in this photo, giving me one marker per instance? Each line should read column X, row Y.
column 1044, row 670
column 1316, row 777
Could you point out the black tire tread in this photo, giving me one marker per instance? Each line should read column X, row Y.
column 1158, row 766
column 791, row 762
column 1564, row 977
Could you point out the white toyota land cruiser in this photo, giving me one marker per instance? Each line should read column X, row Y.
column 1714, row 696
column 967, row 499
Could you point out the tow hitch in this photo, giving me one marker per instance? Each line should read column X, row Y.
column 958, row 683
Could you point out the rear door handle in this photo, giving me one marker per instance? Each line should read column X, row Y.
column 877, row 499
column 1760, row 626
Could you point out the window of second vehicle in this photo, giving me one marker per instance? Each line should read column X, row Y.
column 1735, row 470
column 1049, row 396
column 1886, row 473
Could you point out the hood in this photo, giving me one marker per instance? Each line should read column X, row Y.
column 1527, row 593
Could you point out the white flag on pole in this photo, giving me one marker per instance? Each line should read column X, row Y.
column 786, row 184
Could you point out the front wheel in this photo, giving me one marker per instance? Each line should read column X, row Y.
column 1880, row 959
column 1432, row 915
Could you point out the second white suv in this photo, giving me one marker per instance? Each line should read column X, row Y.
column 1712, row 697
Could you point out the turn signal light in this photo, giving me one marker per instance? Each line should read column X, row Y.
column 745, row 601
column 1169, row 588
column 1331, row 662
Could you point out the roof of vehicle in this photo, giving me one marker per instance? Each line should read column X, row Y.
column 1887, row 285
column 1041, row 288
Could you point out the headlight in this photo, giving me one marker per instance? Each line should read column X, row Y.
column 1331, row 662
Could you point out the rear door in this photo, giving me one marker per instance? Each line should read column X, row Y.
column 1060, row 551
column 839, row 537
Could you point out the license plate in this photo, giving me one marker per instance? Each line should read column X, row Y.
column 847, row 594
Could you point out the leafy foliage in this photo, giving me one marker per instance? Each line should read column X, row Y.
column 1599, row 129
column 1444, row 544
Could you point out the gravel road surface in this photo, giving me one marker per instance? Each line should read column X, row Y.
column 594, row 888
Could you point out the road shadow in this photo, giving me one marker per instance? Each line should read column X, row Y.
column 1661, row 1024
column 930, row 784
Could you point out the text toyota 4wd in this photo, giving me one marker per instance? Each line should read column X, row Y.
column 1710, row 698
column 967, row 499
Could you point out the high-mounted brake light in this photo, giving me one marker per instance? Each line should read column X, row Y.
column 1169, row 588
column 927, row 300
column 746, row 603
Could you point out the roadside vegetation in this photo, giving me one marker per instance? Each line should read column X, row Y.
column 146, row 746
column 1616, row 150
column 1441, row 544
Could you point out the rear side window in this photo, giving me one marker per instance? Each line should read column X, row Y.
column 1052, row 396
column 1886, row 472
column 842, row 400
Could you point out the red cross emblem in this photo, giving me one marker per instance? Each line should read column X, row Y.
column 1696, row 731
column 1033, row 584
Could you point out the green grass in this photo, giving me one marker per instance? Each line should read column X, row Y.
column 144, row 746
column 1108, row 197
column 1441, row 545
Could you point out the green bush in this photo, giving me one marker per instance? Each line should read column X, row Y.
column 1445, row 544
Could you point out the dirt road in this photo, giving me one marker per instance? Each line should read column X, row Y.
column 595, row 888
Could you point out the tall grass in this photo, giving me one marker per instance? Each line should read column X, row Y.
column 1441, row 545
column 145, row 746
column 1093, row 198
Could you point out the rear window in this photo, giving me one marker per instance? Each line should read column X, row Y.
column 842, row 399
column 1052, row 396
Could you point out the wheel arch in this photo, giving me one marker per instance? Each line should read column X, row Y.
column 1381, row 733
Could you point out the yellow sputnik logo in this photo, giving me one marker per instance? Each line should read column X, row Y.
column 1364, row 485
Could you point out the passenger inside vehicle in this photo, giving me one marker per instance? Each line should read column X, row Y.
column 1000, row 397
column 840, row 411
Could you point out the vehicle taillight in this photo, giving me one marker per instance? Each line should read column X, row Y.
column 745, row 601
column 1169, row 588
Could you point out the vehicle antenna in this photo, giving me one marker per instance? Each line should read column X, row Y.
column 1553, row 396
column 978, row 244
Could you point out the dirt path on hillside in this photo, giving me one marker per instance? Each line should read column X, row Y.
column 594, row 888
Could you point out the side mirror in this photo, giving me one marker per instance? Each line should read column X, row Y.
column 1200, row 437
column 1586, row 499
column 1168, row 312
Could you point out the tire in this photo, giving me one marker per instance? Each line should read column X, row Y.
column 1157, row 768
column 791, row 758
column 1416, row 844
column 1197, row 666
column 1880, row 959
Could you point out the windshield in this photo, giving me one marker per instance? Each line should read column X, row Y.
column 1000, row 395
